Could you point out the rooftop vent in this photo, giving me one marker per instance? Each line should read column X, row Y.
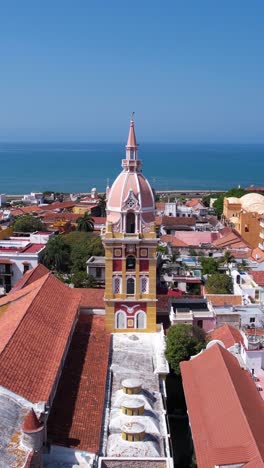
column 133, row 407
column 133, row 432
column 132, row 386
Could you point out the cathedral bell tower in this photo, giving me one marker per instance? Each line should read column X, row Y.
column 130, row 248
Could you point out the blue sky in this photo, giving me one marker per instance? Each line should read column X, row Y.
column 74, row 70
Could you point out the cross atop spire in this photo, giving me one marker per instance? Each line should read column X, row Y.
column 131, row 141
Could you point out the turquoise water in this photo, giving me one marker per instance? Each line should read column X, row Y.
column 79, row 167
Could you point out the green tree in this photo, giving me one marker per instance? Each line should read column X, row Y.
column 206, row 199
column 82, row 246
column 102, row 204
column 81, row 280
column 162, row 249
column 219, row 284
column 183, row 341
column 28, row 223
column 56, row 255
column 192, row 252
column 244, row 265
column 85, row 223
column 209, row 265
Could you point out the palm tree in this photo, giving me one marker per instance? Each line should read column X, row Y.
column 244, row 265
column 85, row 223
column 102, row 204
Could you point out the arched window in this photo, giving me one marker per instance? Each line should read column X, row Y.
column 131, row 286
column 130, row 223
column 144, row 284
column 140, row 320
column 131, row 262
column 120, row 320
column 116, row 285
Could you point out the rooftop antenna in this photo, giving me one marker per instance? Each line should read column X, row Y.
column 132, row 115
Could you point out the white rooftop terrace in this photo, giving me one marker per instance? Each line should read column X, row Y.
column 140, row 358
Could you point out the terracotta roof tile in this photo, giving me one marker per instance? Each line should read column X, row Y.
column 227, row 334
column 219, row 300
column 30, row 276
column 76, row 415
column 91, row 297
column 257, row 255
column 192, row 203
column 174, row 221
column 35, row 323
column 258, row 277
column 225, row 409
column 173, row 240
column 58, row 206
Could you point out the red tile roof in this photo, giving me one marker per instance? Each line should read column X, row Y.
column 58, row 206
column 35, row 324
column 219, row 300
column 195, row 201
column 174, row 241
column 174, row 221
column 33, row 248
column 227, row 334
column 257, row 255
column 76, row 415
column 258, row 277
column 91, row 298
column 225, row 409
column 196, row 238
column 30, row 276
column 231, row 240
column 25, row 210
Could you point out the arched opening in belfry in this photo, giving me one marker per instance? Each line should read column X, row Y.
column 130, row 263
column 130, row 223
column 131, row 286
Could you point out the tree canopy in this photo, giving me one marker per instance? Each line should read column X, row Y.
column 219, row 284
column 80, row 279
column 183, row 341
column 85, row 223
column 56, row 255
column 27, row 223
column 69, row 253
column 102, row 204
column 209, row 265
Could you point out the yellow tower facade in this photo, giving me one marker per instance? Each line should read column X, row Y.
column 130, row 248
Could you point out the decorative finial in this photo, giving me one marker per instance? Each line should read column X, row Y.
column 132, row 116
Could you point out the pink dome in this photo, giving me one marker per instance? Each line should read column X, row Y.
column 131, row 185
column 131, row 191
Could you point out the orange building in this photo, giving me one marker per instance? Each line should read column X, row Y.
column 130, row 248
column 244, row 215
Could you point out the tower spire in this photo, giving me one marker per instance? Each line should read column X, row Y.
column 131, row 141
column 132, row 148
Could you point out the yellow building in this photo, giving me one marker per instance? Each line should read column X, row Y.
column 130, row 248
column 244, row 215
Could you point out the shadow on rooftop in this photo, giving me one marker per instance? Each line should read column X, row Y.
column 64, row 419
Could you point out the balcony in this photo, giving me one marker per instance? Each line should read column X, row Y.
column 262, row 223
column 261, row 235
column 261, row 246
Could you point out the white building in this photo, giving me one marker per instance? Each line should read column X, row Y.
column 18, row 255
column 96, row 268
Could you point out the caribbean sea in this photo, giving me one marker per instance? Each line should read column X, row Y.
column 79, row 167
